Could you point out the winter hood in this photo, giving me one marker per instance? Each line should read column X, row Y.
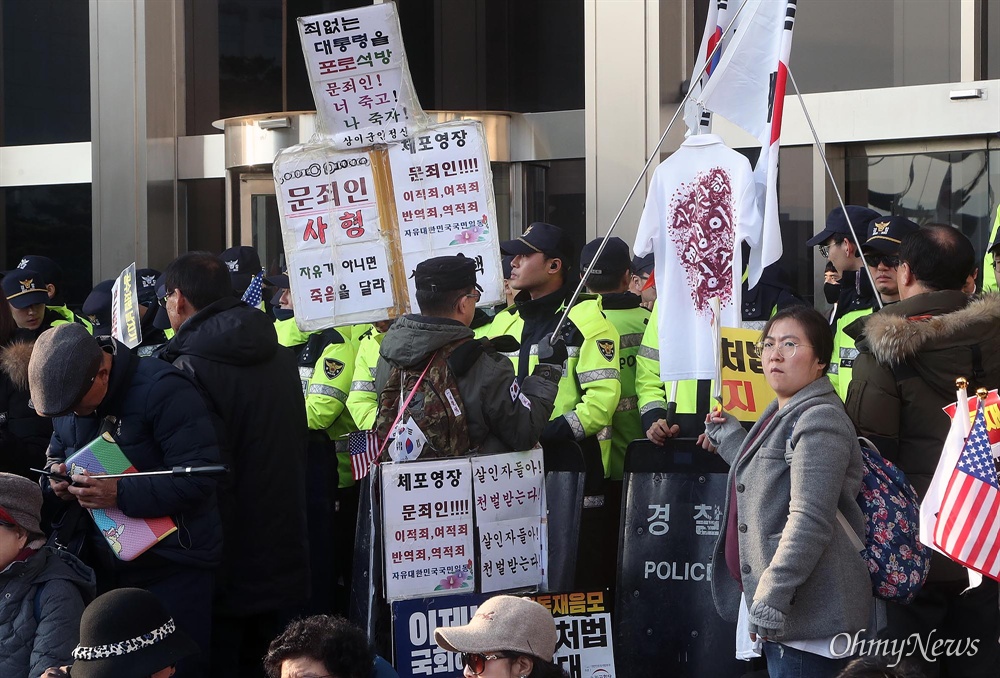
column 934, row 320
column 412, row 339
column 14, row 359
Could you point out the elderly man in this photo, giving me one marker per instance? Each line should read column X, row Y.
column 156, row 416
column 908, row 358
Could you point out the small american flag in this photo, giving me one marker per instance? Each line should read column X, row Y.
column 968, row 525
column 363, row 446
column 254, row 293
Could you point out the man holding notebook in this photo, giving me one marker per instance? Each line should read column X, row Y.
column 150, row 413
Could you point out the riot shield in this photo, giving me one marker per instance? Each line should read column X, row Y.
column 674, row 497
column 565, row 473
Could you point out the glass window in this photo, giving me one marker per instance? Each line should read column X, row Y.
column 795, row 202
column 45, row 72
column 54, row 221
column 863, row 44
column 953, row 188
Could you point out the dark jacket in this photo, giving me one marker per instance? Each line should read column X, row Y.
column 252, row 385
column 909, row 355
column 41, row 600
column 499, row 420
column 158, row 419
column 795, row 468
column 23, row 434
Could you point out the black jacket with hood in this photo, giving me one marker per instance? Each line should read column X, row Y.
column 251, row 383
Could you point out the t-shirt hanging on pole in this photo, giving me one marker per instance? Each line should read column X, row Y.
column 701, row 205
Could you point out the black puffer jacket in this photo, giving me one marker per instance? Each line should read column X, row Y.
column 23, row 434
column 160, row 421
column 252, row 385
column 41, row 600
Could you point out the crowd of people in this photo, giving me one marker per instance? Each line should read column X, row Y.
column 258, row 566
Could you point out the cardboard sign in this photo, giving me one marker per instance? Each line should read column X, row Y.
column 125, row 320
column 359, row 77
column 427, row 514
column 509, row 493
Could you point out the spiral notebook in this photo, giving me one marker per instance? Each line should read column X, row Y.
column 128, row 537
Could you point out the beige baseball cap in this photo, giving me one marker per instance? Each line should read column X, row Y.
column 504, row 623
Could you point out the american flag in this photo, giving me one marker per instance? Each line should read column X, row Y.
column 968, row 526
column 254, row 293
column 363, row 446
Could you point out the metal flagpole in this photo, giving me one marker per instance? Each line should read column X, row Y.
column 829, row 173
column 635, row 186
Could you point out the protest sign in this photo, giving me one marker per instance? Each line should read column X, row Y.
column 427, row 518
column 339, row 264
column 358, row 74
column 443, row 189
column 584, row 648
column 510, row 509
column 413, row 627
column 125, row 320
column 745, row 391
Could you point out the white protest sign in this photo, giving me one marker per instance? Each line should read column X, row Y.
column 427, row 517
column 443, row 190
column 359, row 78
column 510, row 517
column 126, row 324
column 338, row 262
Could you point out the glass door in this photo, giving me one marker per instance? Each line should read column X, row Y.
column 259, row 224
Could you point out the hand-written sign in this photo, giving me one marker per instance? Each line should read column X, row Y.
column 510, row 506
column 427, row 513
column 359, row 77
column 444, row 199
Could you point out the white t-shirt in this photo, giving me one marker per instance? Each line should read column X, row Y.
column 701, row 206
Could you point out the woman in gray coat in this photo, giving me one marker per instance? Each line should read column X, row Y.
column 785, row 567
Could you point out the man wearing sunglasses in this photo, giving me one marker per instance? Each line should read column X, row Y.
column 840, row 246
column 881, row 253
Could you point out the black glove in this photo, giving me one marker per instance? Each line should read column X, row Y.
column 552, row 354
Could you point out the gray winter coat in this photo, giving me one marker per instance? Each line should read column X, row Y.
column 790, row 481
column 41, row 600
column 499, row 420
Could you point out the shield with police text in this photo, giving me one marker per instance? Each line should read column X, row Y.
column 332, row 368
column 607, row 348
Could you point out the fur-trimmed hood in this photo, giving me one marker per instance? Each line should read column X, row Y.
column 14, row 362
column 937, row 319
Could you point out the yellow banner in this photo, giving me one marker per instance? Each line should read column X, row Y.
column 745, row 392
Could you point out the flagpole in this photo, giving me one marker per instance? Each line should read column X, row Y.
column 642, row 174
column 829, row 173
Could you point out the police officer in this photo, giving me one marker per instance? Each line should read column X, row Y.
column 52, row 274
column 610, row 278
column 243, row 263
column 326, row 362
column 857, row 297
column 589, row 388
column 881, row 250
column 362, row 401
column 501, row 415
column 97, row 307
column 26, row 293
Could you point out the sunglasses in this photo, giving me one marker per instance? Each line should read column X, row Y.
column 476, row 662
column 875, row 259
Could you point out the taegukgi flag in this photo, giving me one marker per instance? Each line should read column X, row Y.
column 697, row 119
column 748, row 89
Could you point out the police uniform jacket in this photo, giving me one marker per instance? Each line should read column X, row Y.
column 252, row 386
column 499, row 418
column 589, row 388
column 159, row 420
column 789, row 475
column 362, row 401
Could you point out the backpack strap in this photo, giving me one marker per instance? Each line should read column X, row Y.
column 406, row 404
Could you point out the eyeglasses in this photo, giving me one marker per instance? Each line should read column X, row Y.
column 163, row 299
column 824, row 251
column 477, row 662
column 475, row 294
column 875, row 259
column 786, row 349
